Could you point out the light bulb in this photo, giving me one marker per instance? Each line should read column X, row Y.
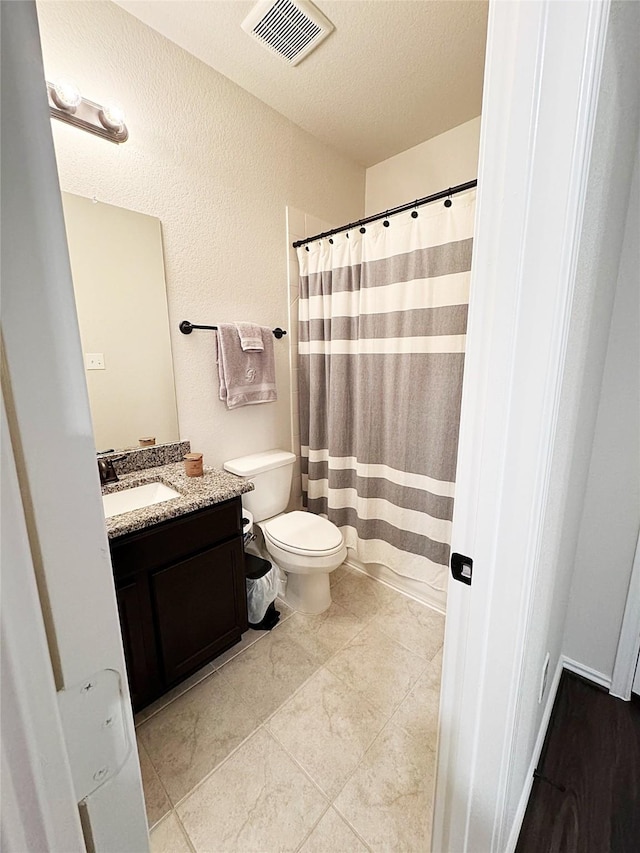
column 66, row 95
column 112, row 117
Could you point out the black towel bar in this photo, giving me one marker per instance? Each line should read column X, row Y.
column 186, row 328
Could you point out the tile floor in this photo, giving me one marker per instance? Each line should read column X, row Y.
column 317, row 737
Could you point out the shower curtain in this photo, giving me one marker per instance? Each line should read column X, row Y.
column 383, row 318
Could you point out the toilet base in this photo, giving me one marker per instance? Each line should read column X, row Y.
column 308, row 594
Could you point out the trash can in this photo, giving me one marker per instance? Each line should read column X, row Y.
column 261, row 579
column 262, row 582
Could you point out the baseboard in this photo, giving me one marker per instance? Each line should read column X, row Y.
column 535, row 758
column 587, row 672
column 579, row 669
column 624, row 666
column 435, row 599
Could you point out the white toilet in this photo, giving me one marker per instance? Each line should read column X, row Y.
column 304, row 545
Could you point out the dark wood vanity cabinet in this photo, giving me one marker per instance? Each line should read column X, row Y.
column 138, row 639
column 181, row 596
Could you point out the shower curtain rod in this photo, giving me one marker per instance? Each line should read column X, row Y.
column 460, row 188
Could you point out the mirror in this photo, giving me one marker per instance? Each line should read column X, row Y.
column 118, row 277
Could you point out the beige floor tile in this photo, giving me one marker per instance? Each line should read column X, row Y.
column 332, row 835
column 285, row 610
column 168, row 837
column 387, row 658
column 379, row 668
column 418, row 713
column 331, row 629
column 436, row 664
column 339, row 574
column 362, row 596
column 169, row 697
column 388, row 800
column 327, row 727
column 250, row 636
column 188, row 738
column 155, row 796
column 270, row 671
column 414, row 625
column 258, row 800
column 248, row 639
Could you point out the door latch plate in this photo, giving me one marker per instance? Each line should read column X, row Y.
column 461, row 568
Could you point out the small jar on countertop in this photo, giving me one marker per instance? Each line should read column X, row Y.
column 193, row 464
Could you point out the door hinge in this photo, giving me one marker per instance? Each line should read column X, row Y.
column 93, row 716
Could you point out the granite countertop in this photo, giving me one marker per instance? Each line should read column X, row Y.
column 213, row 487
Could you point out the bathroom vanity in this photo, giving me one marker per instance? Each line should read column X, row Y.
column 179, row 576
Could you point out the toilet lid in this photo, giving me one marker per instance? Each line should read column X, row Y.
column 303, row 531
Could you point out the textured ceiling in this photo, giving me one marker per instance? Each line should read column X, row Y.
column 392, row 74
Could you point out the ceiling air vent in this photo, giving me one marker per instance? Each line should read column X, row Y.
column 292, row 30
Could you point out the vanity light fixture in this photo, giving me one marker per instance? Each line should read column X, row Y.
column 66, row 95
column 67, row 104
column 112, row 117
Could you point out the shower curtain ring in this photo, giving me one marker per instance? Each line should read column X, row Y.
column 448, row 202
column 386, row 222
column 414, row 213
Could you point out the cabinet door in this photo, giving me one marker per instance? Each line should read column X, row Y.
column 138, row 639
column 200, row 608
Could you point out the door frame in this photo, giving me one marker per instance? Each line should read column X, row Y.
column 542, row 79
column 38, row 804
column 53, row 451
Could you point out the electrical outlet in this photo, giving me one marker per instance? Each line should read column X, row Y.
column 94, row 360
column 543, row 678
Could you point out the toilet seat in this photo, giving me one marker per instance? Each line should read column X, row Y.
column 304, row 533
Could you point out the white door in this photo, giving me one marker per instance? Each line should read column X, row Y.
column 52, row 445
column 540, row 94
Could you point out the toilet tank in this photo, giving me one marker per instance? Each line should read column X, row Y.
column 271, row 473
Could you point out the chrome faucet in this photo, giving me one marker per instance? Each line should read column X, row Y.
column 107, row 471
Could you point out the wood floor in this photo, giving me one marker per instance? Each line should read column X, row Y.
column 586, row 794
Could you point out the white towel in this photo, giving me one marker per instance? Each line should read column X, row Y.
column 245, row 378
column 251, row 336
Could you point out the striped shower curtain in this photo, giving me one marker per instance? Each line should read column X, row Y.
column 382, row 335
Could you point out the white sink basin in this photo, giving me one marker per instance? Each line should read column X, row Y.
column 137, row 498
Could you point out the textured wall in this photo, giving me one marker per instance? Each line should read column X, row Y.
column 443, row 161
column 218, row 168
